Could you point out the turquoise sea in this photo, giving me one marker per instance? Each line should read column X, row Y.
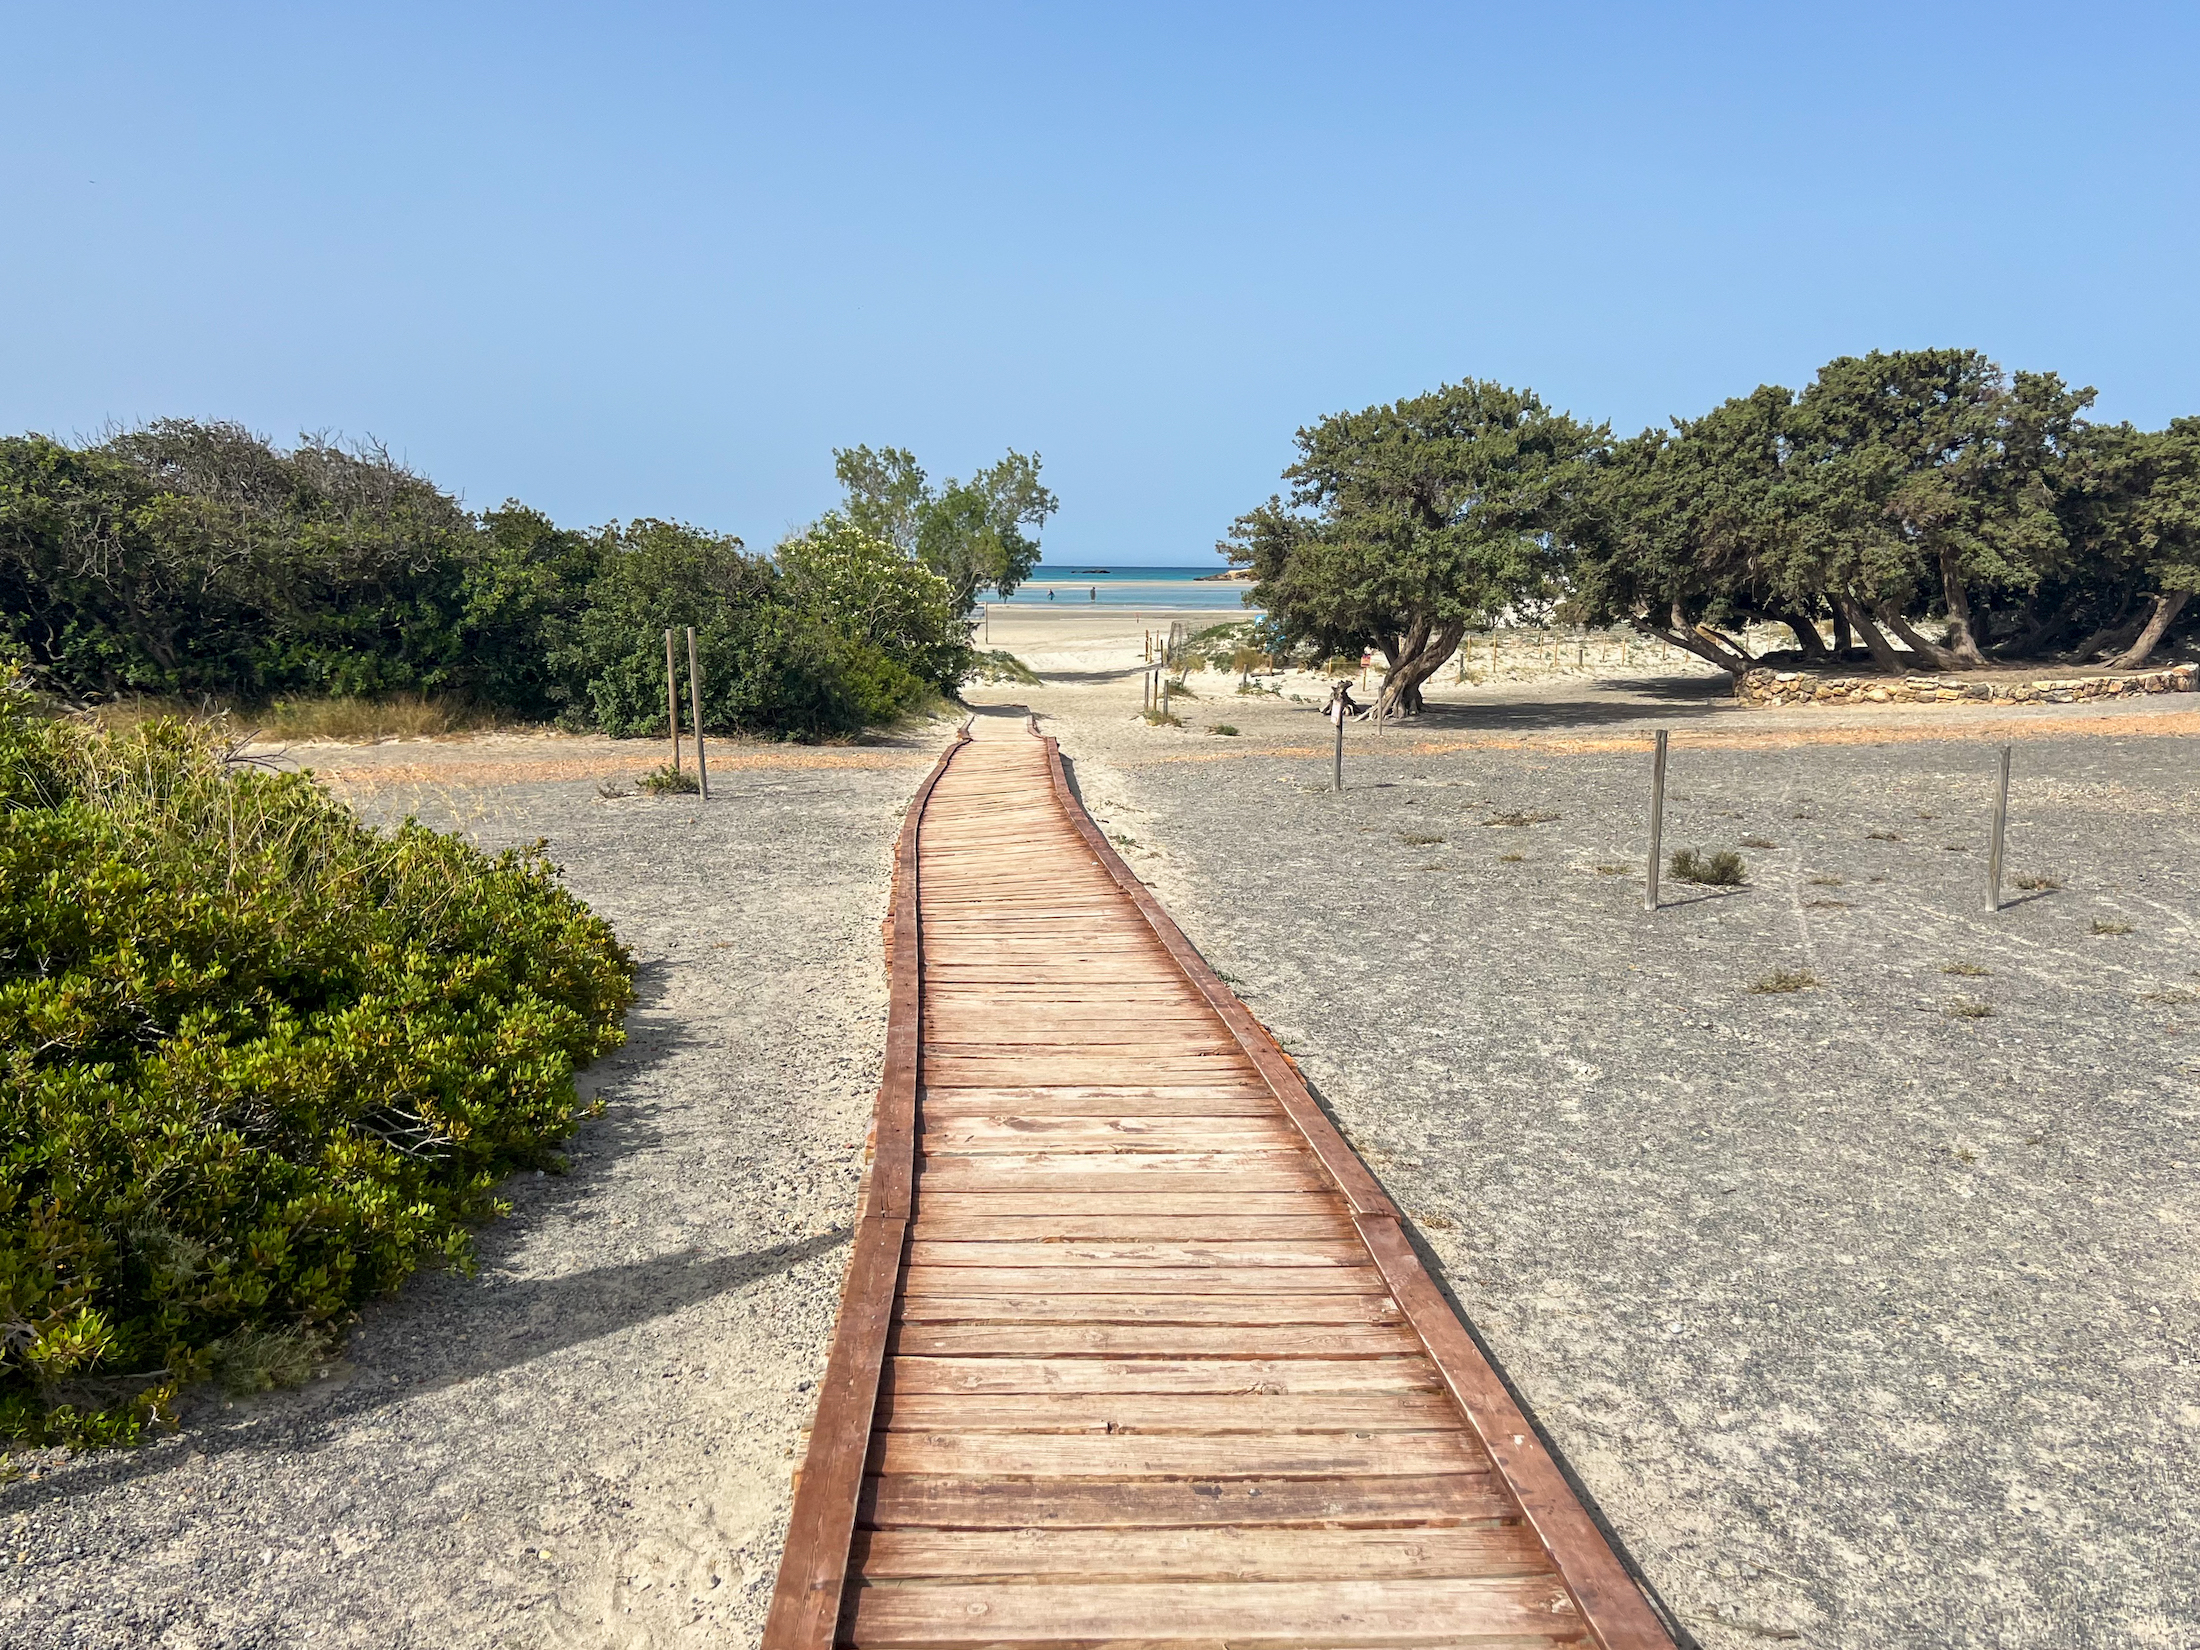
column 1096, row 584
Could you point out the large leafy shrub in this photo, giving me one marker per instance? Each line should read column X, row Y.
column 780, row 652
column 262, row 1061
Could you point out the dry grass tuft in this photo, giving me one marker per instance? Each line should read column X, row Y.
column 1783, row 980
column 1412, row 840
column 1826, row 882
column 2105, row 925
column 1970, row 970
column 1521, row 819
column 1723, row 869
column 1963, row 1008
column 1881, row 836
column 1758, row 842
column 2035, row 883
column 1510, row 859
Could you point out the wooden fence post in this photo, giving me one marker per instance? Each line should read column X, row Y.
column 695, row 703
column 672, row 700
column 2001, row 823
column 1657, row 822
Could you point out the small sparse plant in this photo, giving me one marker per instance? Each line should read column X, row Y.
column 1163, row 719
column 1122, row 841
column 1966, row 1008
column 1177, row 689
column 1413, row 840
column 1826, row 882
column 1881, row 836
column 1723, row 869
column 998, row 666
column 1758, row 842
column 1517, row 819
column 1224, row 728
column 611, row 788
column 1828, row 905
column 1783, row 980
column 1510, row 859
column 254, row 1360
column 669, row 781
column 2171, row 994
column 1969, row 970
column 2033, row 884
column 1613, row 870
column 2108, row 925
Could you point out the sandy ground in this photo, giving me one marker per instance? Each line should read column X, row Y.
column 1863, row 1324
column 589, row 1443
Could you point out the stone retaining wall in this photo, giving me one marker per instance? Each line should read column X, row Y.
column 1794, row 687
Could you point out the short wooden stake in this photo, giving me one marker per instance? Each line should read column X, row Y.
column 695, row 703
column 2001, row 823
column 1337, row 762
column 672, row 700
column 1657, row 822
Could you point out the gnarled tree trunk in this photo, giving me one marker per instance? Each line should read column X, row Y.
column 1414, row 658
column 1937, row 657
column 1882, row 651
column 1703, row 642
column 1806, row 636
column 1842, row 640
column 1962, row 643
column 2167, row 606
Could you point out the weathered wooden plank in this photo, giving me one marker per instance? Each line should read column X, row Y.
column 1099, row 1279
column 1146, row 1412
column 1022, row 1134
column 1175, row 1455
column 1119, row 1100
column 927, row 1252
column 991, row 1203
column 1120, row 1172
column 1172, row 1228
column 1104, row 1340
column 1436, row 1502
column 1329, row 1613
column 1249, row 1309
column 1276, row 1376
column 1199, row 1554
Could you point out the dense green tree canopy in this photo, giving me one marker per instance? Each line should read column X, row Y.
column 1406, row 524
column 199, row 560
column 971, row 533
column 1939, row 511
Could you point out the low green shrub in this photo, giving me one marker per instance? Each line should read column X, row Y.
column 262, row 1062
column 668, row 781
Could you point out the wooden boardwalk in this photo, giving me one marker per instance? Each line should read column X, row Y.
column 1132, row 1350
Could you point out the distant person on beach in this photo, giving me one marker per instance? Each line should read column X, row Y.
column 1096, row 592
column 1050, row 595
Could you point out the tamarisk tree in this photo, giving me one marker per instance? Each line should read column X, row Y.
column 1409, row 523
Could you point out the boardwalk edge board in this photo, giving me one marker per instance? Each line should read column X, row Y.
column 813, row 1570
column 821, row 1593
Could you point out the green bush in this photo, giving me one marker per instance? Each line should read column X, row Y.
column 262, row 1062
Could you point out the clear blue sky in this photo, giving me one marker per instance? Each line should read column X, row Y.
column 656, row 259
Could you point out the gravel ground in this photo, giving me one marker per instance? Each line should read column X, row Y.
column 590, row 1442
column 1865, row 1324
